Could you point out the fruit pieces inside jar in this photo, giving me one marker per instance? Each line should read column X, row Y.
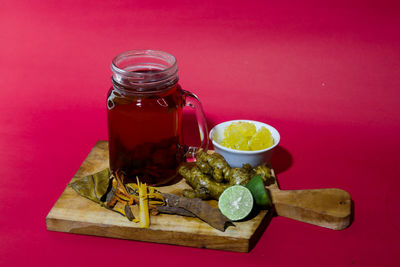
column 245, row 136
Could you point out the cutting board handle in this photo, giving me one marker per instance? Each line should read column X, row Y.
column 330, row 208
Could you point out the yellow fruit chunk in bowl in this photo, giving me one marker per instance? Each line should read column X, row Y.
column 244, row 141
column 243, row 135
column 262, row 139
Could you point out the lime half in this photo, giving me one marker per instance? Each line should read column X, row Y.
column 236, row 202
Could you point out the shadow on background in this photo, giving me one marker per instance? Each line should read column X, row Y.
column 352, row 216
column 281, row 159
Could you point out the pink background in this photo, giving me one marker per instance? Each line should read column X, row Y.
column 326, row 75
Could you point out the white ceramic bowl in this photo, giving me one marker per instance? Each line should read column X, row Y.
column 236, row 158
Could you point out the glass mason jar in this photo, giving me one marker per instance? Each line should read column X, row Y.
column 144, row 111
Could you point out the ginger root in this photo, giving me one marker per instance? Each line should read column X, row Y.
column 211, row 175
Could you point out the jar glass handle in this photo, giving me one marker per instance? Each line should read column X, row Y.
column 191, row 100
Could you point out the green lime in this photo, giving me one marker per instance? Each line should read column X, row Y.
column 236, row 202
column 257, row 189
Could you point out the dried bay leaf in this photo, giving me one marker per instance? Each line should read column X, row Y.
column 94, row 186
column 200, row 209
column 175, row 211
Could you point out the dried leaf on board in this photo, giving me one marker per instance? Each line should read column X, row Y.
column 200, row 209
column 94, row 186
column 175, row 211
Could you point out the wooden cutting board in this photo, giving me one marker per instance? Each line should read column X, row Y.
column 75, row 214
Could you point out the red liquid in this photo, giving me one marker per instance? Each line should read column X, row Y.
column 145, row 135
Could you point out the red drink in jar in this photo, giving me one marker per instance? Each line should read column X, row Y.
column 145, row 117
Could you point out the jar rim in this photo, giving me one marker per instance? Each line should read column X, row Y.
column 141, row 75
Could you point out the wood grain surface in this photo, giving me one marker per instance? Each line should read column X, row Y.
column 329, row 208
